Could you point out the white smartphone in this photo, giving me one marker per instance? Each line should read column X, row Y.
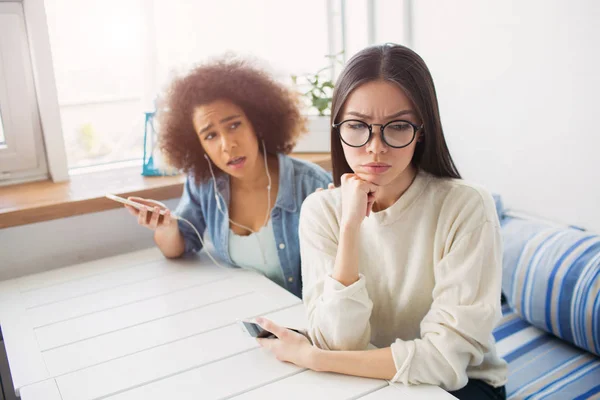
column 139, row 206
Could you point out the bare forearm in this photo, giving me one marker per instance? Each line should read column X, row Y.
column 377, row 364
column 345, row 269
column 170, row 241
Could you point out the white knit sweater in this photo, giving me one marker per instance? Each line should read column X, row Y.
column 430, row 272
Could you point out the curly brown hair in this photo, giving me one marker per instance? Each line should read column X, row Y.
column 272, row 109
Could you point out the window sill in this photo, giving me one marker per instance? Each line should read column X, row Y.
column 44, row 201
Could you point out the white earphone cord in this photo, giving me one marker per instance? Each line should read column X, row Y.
column 201, row 241
column 218, row 195
column 177, row 217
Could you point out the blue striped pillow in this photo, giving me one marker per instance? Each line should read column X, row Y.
column 551, row 278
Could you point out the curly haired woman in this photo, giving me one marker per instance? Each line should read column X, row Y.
column 230, row 126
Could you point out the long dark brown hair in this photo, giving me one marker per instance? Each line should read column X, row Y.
column 401, row 65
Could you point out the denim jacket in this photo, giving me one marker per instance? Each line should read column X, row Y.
column 297, row 179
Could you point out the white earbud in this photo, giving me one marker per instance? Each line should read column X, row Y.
column 267, row 169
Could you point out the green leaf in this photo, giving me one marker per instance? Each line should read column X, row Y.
column 321, row 103
column 321, row 87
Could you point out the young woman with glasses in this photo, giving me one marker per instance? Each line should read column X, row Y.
column 403, row 254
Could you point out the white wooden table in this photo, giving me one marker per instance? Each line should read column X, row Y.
column 138, row 326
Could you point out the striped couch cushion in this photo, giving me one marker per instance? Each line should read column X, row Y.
column 551, row 278
column 540, row 366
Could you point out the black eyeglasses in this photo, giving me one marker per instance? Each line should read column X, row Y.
column 396, row 134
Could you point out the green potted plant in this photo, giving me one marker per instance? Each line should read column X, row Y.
column 317, row 93
column 320, row 92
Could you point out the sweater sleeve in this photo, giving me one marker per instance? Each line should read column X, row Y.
column 338, row 315
column 457, row 330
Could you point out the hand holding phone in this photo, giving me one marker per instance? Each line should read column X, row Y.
column 256, row 331
column 150, row 213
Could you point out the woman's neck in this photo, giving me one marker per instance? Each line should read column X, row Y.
column 387, row 195
column 258, row 178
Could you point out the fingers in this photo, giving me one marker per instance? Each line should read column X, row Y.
column 272, row 327
column 371, row 196
column 361, row 184
column 149, row 216
column 329, row 186
column 167, row 218
column 369, row 187
column 346, row 177
column 274, row 346
column 369, row 207
column 142, row 215
column 153, row 224
column 153, row 219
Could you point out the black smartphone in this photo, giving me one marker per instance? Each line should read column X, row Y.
column 256, row 331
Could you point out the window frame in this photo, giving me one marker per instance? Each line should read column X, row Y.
column 45, row 87
column 52, row 155
column 23, row 157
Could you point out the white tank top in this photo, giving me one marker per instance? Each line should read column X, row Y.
column 245, row 251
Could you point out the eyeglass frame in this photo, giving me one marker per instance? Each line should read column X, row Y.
column 416, row 128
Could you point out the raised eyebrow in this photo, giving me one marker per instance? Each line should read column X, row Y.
column 221, row 122
column 228, row 118
column 205, row 128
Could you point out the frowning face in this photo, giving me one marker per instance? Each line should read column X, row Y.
column 380, row 102
column 227, row 137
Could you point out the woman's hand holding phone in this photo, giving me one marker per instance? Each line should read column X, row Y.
column 290, row 346
column 157, row 217
column 150, row 217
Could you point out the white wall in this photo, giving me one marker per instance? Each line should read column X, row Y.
column 46, row 245
column 519, row 84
